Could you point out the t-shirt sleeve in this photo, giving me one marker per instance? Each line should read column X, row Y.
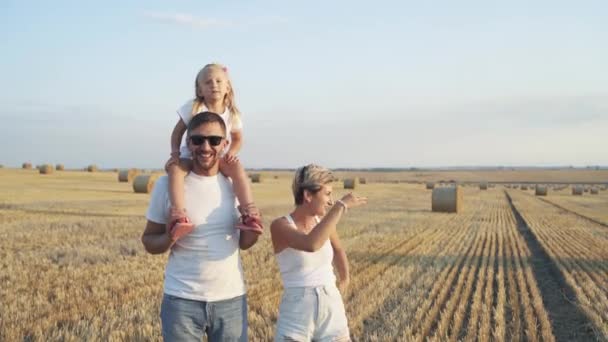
column 185, row 111
column 237, row 125
column 157, row 208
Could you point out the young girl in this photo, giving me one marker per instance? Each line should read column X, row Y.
column 213, row 93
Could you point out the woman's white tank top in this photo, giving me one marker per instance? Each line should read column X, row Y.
column 304, row 269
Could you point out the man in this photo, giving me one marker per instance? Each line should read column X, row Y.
column 204, row 288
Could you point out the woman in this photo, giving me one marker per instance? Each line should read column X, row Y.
column 305, row 246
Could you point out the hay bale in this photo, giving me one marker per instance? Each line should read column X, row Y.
column 483, row 186
column 594, row 191
column 577, row 190
column 524, row 187
column 256, row 178
column 430, row 185
column 26, row 166
column 127, row 175
column 362, row 180
column 350, row 183
column 92, row 168
column 541, row 190
column 46, row 169
column 59, row 167
column 143, row 184
column 447, row 199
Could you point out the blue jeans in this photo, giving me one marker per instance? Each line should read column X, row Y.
column 188, row 320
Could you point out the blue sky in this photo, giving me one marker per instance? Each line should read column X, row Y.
column 339, row 83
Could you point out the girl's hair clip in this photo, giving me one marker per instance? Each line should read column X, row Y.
column 225, row 69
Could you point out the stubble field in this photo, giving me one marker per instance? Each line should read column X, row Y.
column 511, row 266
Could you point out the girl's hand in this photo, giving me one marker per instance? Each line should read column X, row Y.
column 351, row 200
column 230, row 157
column 171, row 161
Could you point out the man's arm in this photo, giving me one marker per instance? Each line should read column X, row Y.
column 247, row 239
column 155, row 238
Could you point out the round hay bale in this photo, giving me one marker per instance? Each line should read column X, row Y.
column 46, row 169
column 577, row 190
column 1, row 166
column 541, row 190
column 483, row 186
column 256, row 178
column 524, row 187
column 362, row 180
column 127, row 175
column 430, row 185
column 59, row 167
column 92, row 168
column 447, row 199
column 350, row 183
column 143, row 184
column 594, row 191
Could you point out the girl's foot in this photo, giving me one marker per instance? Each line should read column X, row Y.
column 179, row 224
column 251, row 220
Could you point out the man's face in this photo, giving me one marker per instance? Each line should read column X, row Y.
column 205, row 156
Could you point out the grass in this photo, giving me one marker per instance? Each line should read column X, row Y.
column 72, row 266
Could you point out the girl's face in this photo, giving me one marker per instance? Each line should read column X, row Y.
column 322, row 200
column 214, row 85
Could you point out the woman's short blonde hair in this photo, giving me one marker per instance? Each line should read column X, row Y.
column 310, row 177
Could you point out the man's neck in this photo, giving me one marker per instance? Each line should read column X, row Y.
column 205, row 173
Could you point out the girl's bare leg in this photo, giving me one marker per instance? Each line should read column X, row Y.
column 177, row 172
column 242, row 191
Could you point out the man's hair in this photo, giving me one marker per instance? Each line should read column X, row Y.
column 205, row 118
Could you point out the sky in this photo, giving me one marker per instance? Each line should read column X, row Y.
column 337, row 83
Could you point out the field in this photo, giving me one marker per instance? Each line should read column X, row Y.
column 511, row 266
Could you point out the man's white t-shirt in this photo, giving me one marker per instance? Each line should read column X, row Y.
column 185, row 113
column 204, row 265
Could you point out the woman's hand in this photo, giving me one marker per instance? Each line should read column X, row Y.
column 343, row 286
column 351, row 200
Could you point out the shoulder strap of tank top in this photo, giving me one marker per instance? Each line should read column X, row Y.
column 290, row 220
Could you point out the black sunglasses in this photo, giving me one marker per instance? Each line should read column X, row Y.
column 213, row 140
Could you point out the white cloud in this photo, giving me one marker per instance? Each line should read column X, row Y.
column 187, row 20
column 193, row 21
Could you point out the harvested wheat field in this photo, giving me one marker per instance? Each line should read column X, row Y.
column 509, row 266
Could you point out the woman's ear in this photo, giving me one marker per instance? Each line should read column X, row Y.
column 307, row 196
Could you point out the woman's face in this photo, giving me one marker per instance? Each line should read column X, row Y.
column 214, row 85
column 322, row 200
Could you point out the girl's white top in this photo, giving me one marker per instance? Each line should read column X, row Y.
column 185, row 113
column 304, row 269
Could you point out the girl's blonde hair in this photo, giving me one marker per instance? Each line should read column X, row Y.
column 310, row 177
column 229, row 101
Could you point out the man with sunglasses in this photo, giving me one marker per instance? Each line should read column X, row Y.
column 204, row 288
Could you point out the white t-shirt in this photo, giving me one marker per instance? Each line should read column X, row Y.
column 204, row 265
column 185, row 113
